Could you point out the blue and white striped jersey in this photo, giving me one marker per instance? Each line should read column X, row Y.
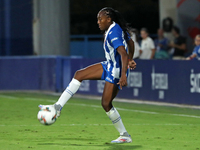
column 114, row 37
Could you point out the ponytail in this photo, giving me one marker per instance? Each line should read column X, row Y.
column 118, row 18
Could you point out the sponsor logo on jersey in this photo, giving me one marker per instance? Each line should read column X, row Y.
column 116, row 38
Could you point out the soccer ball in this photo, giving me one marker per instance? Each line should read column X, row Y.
column 47, row 115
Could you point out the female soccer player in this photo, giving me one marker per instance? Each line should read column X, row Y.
column 119, row 50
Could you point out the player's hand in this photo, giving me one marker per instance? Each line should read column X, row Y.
column 132, row 64
column 122, row 81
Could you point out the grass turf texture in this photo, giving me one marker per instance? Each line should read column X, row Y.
column 83, row 125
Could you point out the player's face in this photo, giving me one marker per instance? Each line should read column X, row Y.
column 103, row 21
column 197, row 41
column 144, row 35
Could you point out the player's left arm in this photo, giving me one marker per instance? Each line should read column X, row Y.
column 124, row 58
column 131, row 50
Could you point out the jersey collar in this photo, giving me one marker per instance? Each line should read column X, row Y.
column 111, row 26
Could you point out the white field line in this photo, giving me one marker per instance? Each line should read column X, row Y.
column 138, row 111
column 142, row 124
column 123, row 109
column 183, row 115
column 137, row 101
column 10, row 97
column 97, row 106
column 39, row 99
column 27, row 98
column 116, row 99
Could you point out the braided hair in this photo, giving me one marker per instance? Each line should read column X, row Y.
column 118, row 18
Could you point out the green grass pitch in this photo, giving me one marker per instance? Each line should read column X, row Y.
column 83, row 125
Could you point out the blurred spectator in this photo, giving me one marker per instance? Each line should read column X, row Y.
column 135, row 38
column 147, row 45
column 196, row 51
column 179, row 44
column 161, row 44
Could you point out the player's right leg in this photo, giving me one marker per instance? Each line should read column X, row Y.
column 93, row 72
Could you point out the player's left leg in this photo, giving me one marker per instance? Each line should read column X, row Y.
column 109, row 93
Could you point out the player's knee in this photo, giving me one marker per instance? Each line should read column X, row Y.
column 78, row 76
column 106, row 105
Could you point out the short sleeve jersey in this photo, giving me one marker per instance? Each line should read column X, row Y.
column 114, row 37
column 197, row 51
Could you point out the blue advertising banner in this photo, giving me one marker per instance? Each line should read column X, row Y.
column 28, row 73
column 155, row 80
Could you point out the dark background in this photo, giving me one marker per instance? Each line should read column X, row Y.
column 16, row 34
column 139, row 13
column 19, row 25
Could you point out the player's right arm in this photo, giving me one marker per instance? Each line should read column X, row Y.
column 124, row 60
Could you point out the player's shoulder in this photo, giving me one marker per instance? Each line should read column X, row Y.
column 117, row 27
column 114, row 29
